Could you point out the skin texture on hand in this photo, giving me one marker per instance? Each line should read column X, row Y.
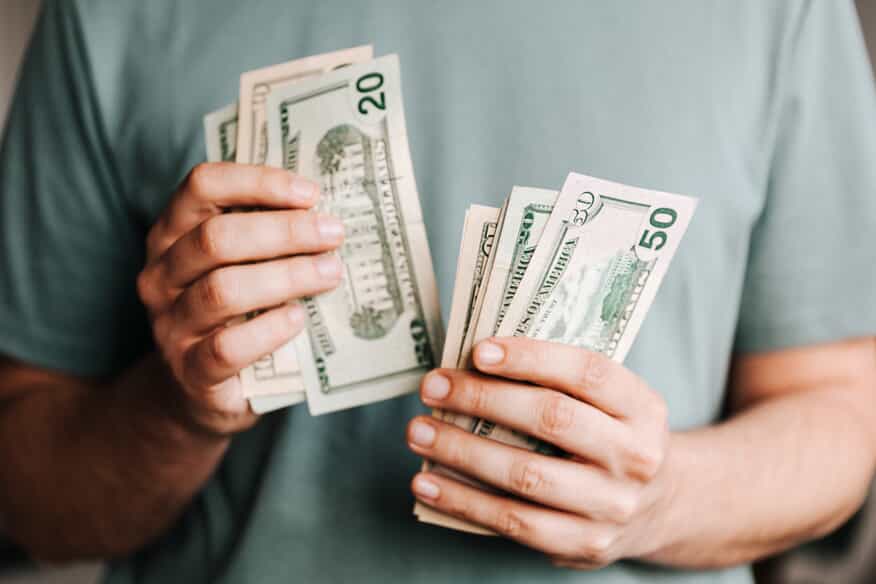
column 585, row 508
column 631, row 489
column 205, row 268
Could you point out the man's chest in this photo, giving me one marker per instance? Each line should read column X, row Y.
column 498, row 95
column 502, row 95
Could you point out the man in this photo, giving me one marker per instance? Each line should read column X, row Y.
column 123, row 433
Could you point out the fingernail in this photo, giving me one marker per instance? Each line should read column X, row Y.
column 425, row 488
column 295, row 314
column 422, row 434
column 330, row 228
column 328, row 266
column 436, row 386
column 490, row 353
column 302, row 190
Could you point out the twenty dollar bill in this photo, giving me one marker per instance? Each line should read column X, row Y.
column 274, row 381
column 375, row 336
column 220, row 128
column 253, row 143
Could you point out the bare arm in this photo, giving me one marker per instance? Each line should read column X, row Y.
column 93, row 470
column 793, row 461
column 97, row 469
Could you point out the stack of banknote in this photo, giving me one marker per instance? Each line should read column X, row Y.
column 338, row 119
column 580, row 266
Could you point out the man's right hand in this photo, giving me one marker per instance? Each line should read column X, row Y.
column 205, row 268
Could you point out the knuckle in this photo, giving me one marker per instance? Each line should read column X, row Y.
column 297, row 228
column 526, row 477
column 213, row 237
column 456, row 451
column 637, row 457
column 458, row 506
column 556, row 414
column 217, row 292
column 600, row 549
column 293, row 225
column 273, row 181
column 597, row 548
column 200, row 179
column 277, row 329
column 622, row 507
column 145, row 287
column 312, row 225
column 475, row 395
column 222, row 349
column 645, row 461
column 163, row 331
column 300, row 272
column 509, row 522
column 594, row 369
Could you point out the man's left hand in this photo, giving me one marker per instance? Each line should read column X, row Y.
column 602, row 502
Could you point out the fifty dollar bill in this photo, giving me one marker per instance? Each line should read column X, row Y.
column 591, row 280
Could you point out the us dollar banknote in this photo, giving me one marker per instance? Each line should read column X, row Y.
column 274, row 381
column 346, row 130
column 599, row 264
column 592, row 280
column 220, row 133
column 473, row 309
column 476, row 246
column 257, row 85
column 589, row 283
column 526, row 215
column 266, row 387
column 524, row 218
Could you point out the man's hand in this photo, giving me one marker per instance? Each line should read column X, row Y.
column 585, row 510
column 205, row 268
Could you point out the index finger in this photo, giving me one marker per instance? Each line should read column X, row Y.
column 212, row 188
column 586, row 375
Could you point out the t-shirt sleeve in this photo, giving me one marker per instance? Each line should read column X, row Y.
column 70, row 247
column 811, row 273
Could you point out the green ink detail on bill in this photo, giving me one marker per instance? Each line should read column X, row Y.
column 524, row 249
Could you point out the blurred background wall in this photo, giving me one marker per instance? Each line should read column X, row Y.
column 16, row 21
column 867, row 10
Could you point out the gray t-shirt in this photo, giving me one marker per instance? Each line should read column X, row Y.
column 764, row 110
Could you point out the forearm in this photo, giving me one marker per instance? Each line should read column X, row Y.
column 786, row 470
column 99, row 471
